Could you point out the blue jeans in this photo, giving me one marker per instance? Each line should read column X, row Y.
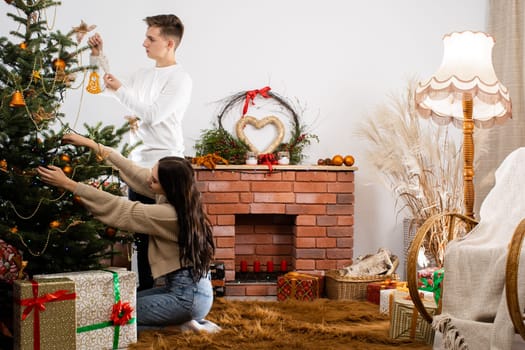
column 180, row 300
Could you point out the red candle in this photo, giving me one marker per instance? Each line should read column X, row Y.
column 244, row 266
column 283, row 265
column 256, row 266
column 269, row 266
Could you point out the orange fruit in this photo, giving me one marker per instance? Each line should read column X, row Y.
column 337, row 160
column 349, row 160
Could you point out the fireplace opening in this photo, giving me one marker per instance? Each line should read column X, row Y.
column 263, row 246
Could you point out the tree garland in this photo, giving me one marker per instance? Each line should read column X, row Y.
column 221, row 142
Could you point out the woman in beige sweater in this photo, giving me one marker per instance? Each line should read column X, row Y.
column 181, row 245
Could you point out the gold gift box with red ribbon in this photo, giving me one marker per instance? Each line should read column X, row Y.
column 44, row 314
column 300, row 286
column 105, row 307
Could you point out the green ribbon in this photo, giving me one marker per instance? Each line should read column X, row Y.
column 116, row 331
column 435, row 286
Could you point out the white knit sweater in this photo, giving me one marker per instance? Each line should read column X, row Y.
column 159, row 97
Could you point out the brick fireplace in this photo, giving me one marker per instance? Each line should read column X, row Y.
column 302, row 215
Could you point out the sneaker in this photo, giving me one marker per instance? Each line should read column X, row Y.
column 209, row 326
column 200, row 326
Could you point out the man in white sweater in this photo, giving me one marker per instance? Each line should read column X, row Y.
column 157, row 97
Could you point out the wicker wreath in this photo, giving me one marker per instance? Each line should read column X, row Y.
column 233, row 148
column 258, row 124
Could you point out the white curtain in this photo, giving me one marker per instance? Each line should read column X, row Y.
column 505, row 24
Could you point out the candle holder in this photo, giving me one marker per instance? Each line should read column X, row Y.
column 251, row 158
column 283, row 158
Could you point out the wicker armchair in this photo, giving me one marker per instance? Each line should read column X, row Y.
column 456, row 225
column 449, row 225
column 511, row 279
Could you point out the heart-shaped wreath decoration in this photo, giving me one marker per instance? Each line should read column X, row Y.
column 233, row 148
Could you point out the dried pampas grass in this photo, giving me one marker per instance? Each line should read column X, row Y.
column 420, row 161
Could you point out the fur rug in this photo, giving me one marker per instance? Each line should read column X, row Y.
column 250, row 325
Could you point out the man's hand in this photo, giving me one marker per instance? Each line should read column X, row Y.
column 112, row 82
column 133, row 122
column 96, row 43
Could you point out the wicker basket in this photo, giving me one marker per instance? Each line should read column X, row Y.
column 350, row 288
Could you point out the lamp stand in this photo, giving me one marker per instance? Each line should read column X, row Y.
column 468, row 155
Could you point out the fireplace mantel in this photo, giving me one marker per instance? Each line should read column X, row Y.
column 318, row 199
column 276, row 167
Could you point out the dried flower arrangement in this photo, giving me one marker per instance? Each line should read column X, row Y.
column 219, row 141
column 418, row 160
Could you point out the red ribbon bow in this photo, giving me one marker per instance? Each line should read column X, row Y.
column 268, row 159
column 121, row 313
column 37, row 303
column 250, row 96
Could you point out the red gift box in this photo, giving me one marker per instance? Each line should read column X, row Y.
column 373, row 290
column 300, row 286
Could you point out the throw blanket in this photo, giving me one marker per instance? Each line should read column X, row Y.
column 475, row 314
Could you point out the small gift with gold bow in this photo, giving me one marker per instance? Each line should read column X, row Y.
column 300, row 286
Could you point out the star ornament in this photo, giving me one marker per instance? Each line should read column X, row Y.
column 36, row 75
column 41, row 115
column 82, row 30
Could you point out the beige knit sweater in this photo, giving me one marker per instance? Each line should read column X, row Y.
column 157, row 220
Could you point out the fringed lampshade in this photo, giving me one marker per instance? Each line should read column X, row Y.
column 465, row 91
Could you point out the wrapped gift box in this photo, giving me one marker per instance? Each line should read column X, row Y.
column 300, row 286
column 373, row 289
column 406, row 322
column 386, row 298
column 431, row 282
column 105, row 308
column 44, row 314
column 424, row 276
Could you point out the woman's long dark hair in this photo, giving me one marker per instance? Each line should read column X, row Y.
column 196, row 246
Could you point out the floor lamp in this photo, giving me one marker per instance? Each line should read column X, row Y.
column 465, row 91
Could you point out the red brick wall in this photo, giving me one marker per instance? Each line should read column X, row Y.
column 317, row 202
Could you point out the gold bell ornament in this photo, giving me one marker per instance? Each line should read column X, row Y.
column 17, row 100
column 93, row 86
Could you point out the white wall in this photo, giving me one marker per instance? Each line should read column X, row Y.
column 338, row 58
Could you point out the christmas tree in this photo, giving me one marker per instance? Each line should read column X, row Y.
column 49, row 226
